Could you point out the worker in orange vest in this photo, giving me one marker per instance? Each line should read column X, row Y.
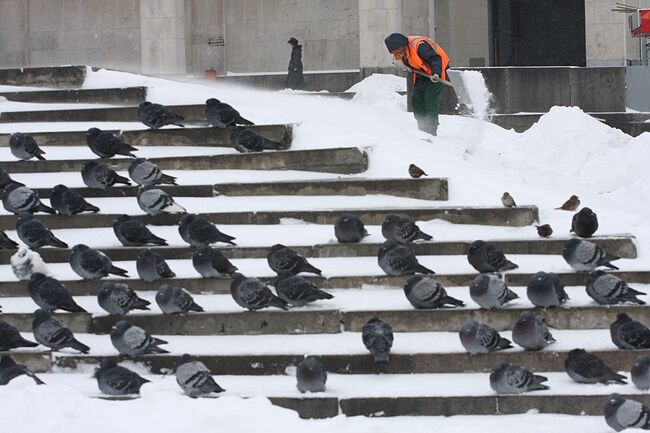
column 424, row 55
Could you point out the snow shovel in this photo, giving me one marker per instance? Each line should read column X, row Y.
column 457, row 85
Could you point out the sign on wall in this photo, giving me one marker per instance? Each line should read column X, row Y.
column 216, row 41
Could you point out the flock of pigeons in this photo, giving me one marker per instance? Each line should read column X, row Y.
column 488, row 289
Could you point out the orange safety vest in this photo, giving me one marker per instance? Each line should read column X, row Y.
column 416, row 62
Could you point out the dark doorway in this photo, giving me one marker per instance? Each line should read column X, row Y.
column 537, row 32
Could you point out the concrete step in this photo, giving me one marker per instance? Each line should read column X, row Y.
column 37, row 362
column 124, row 95
column 343, row 160
column 55, row 76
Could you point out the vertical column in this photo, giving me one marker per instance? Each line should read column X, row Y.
column 162, row 35
column 377, row 19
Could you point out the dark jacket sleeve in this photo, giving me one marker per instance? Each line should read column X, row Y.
column 296, row 59
column 429, row 55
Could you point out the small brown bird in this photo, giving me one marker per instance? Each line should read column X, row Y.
column 544, row 230
column 507, row 200
column 571, row 204
column 416, row 172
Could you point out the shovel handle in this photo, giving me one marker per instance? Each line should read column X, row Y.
column 439, row 80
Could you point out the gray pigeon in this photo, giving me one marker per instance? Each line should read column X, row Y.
column 546, row 290
column 152, row 267
column 24, row 147
column 210, row 263
column 531, row 333
column 18, row 199
column 395, row 260
column 7, row 243
column 35, row 234
column 285, row 261
column 91, row 264
column 50, row 294
column 100, row 176
column 10, row 338
column 297, row 292
column 172, row 300
column 144, row 172
column 133, row 340
column 106, row 145
column 55, row 334
column 485, row 257
column 115, row 380
column 9, row 370
column 252, row 294
column 27, row 262
column 5, row 179
column 586, row 256
column 377, row 336
column 490, row 291
column 427, row 292
column 480, row 338
column 585, row 367
column 640, row 373
column 628, row 334
column 69, row 202
column 119, row 298
column 311, row 376
column 222, row 115
column 621, row 414
column 199, row 232
column 156, row 116
column 608, row 289
column 402, row 230
column 134, row 233
column 584, row 223
column 349, row 229
column 507, row 378
column 155, row 201
column 195, row 379
column 248, row 140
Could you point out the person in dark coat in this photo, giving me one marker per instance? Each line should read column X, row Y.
column 295, row 79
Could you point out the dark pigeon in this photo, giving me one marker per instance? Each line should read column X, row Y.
column 621, row 414
column 155, row 201
column 133, row 340
column 106, row 145
column 115, row 380
column 490, row 291
column 297, row 292
column 69, row 202
column 608, row 289
column 248, row 140
column 584, row 223
column 531, row 333
column 628, row 334
column 507, row 378
column 349, row 229
column 199, row 232
column 18, row 199
column 134, row 233
column 152, row 267
column 100, row 176
column 91, row 264
column 195, row 379
column 222, row 115
column 156, row 116
column 311, row 376
column 402, row 230
column 377, row 336
column 50, row 294
column 119, row 298
column 24, row 147
column 172, row 300
column 10, row 338
column 546, row 290
column 640, row 373
column 7, row 243
column 35, row 234
column 5, row 179
column 586, row 256
column 427, row 292
column 285, row 261
column 144, row 172
column 484, row 257
column 211, row 263
column 9, row 370
column 55, row 334
column 395, row 260
column 480, row 338
column 585, row 367
column 252, row 294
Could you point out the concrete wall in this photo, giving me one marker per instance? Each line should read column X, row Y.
column 638, row 87
column 462, row 29
column 206, row 20
column 162, row 31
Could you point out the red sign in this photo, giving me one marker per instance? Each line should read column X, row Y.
column 640, row 24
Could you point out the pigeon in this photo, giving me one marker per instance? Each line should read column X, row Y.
column 27, row 262
column 222, row 115
column 6, row 243
column 628, row 334
column 172, row 300
column 195, row 379
column 119, row 298
column 100, row 176
column 252, row 294
column 426, row 292
column 156, row 116
column 416, row 172
column 297, row 292
column 106, row 145
column 5, row 179
column 571, row 204
column 55, row 334
column 640, row 373
column 546, row 290
column 507, row 378
column 210, row 263
column 199, row 232
column 395, row 260
column 544, row 230
column 91, row 264
column 155, row 201
column 18, row 199
column 35, row 234
column 9, row 370
column 484, row 257
column 531, row 333
column 144, row 172
column 490, row 291
column 585, row 367
column 507, row 200
column 152, row 267
column 402, row 230
column 247, row 140
column 115, row 380
column 608, row 289
column 377, row 336
column 586, row 256
column 584, row 223
column 311, row 376
column 285, row 261
column 24, row 147
column 50, row 294
column 621, row 414
column 133, row 340
column 134, row 233
column 480, row 338
column 349, row 229
column 10, row 338
column 69, row 202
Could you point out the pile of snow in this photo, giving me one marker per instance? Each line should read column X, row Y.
column 381, row 90
column 478, row 93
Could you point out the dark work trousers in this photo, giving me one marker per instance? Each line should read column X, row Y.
column 426, row 105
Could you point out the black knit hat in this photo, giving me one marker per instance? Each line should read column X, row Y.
column 395, row 41
column 293, row 41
